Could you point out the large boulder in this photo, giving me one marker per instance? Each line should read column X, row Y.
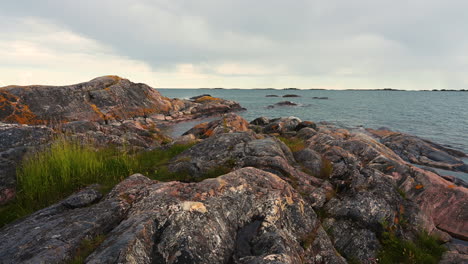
column 227, row 124
column 247, row 216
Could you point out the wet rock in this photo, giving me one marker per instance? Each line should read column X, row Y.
column 227, row 124
column 291, row 95
column 271, row 95
column 320, row 98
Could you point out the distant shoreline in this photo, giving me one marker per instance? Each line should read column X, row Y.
column 319, row 89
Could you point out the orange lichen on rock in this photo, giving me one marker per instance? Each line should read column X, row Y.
column 98, row 111
column 207, row 98
column 18, row 113
column 419, row 186
column 380, row 133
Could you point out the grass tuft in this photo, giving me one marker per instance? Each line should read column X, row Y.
column 46, row 177
column 294, row 144
column 425, row 249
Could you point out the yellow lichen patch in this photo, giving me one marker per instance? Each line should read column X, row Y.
column 204, row 99
column 194, row 206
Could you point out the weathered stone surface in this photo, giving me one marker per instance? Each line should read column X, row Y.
column 53, row 234
column 367, row 176
column 281, row 125
column 419, row 151
column 102, row 99
column 247, row 216
column 456, row 253
column 217, row 213
column 227, row 124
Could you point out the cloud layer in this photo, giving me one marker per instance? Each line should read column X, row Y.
column 213, row 43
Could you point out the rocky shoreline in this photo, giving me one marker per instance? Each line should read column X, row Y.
column 291, row 191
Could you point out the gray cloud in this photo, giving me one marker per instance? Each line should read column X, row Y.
column 402, row 44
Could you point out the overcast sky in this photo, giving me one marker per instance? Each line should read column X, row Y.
column 337, row 44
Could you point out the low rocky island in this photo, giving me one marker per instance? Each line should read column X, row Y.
column 280, row 190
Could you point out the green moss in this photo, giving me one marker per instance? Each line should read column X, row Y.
column 294, row 144
column 424, row 249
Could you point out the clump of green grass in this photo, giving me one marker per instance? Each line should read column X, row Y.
column 294, row 144
column 425, row 249
column 49, row 176
column 85, row 249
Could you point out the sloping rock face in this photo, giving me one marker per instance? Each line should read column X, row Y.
column 420, row 151
column 247, row 216
column 102, row 99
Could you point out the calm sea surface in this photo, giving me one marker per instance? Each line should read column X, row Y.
column 438, row 116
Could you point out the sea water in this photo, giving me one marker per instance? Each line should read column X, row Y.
column 438, row 116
